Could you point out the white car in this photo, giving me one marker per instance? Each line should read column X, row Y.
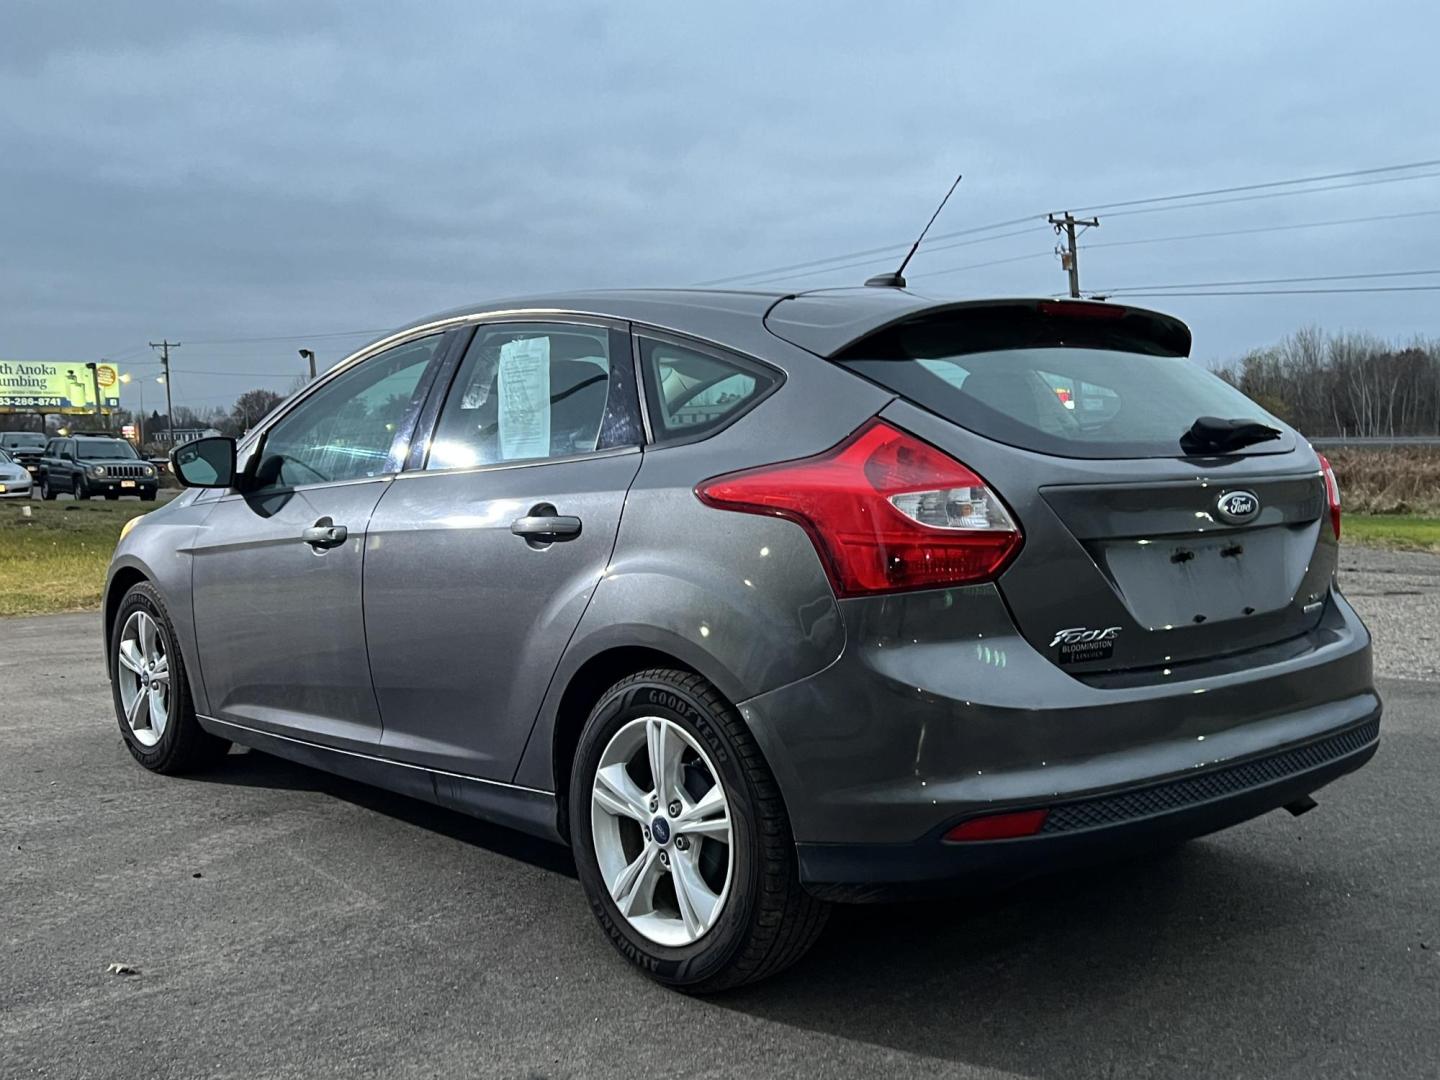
column 14, row 478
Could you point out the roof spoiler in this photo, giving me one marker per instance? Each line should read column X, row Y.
column 833, row 323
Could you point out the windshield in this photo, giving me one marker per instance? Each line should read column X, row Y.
column 93, row 449
column 5, row 458
column 1085, row 392
column 15, row 439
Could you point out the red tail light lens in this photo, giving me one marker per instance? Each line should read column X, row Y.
column 886, row 511
column 999, row 826
column 1332, row 493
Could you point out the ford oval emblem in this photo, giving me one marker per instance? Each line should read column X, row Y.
column 1237, row 507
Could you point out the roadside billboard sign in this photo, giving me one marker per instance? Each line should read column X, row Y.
column 56, row 386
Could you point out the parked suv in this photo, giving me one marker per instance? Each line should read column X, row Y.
column 762, row 601
column 95, row 464
column 25, row 448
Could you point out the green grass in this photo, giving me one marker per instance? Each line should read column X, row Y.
column 1406, row 532
column 55, row 559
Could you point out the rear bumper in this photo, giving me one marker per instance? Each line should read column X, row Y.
column 939, row 711
column 1118, row 825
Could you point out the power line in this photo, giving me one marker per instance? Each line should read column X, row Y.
column 889, row 249
column 926, row 251
column 1272, row 195
column 1261, row 229
column 1295, row 292
column 116, row 354
column 1257, row 187
column 1263, row 281
column 982, row 265
column 1029, row 218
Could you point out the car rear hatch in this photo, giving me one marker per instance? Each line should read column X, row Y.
column 1146, row 549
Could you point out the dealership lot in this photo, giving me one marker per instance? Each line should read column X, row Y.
column 286, row 923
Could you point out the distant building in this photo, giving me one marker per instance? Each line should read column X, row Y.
column 181, row 435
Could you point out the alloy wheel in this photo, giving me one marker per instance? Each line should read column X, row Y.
column 662, row 831
column 143, row 671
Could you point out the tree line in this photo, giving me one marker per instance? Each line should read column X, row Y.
column 1346, row 383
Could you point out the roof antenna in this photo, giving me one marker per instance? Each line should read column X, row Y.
column 897, row 279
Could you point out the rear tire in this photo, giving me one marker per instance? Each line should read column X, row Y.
column 47, row 493
column 180, row 744
column 763, row 919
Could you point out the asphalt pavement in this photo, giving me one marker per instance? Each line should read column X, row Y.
column 285, row 923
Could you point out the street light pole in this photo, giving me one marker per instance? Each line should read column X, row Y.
column 307, row 354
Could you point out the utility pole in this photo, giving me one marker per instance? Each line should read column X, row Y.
column 1069, row 254
column 165, row 347
column 306, row 354
column 95, row 383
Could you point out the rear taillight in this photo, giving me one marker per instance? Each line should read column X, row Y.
column 1332, row 493
column 886, row 511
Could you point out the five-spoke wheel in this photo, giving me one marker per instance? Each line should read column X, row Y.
column 681, row 839
column 152, row 697
column 143, row 673
column 661, row 825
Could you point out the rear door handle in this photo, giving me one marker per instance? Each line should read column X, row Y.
column 325, row 535
column 546, row 527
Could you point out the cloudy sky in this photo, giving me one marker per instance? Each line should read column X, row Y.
column 218, row 171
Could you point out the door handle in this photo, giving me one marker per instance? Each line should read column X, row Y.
column 324, row 535
column 546, row 528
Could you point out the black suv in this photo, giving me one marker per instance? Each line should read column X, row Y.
column 26, row 448
column 97, row 464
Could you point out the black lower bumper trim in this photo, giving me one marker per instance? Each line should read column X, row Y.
column 1109, row 827
column 1208, row 785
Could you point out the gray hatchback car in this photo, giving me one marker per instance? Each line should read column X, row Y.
column 762, row 601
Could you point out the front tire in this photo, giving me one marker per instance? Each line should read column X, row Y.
column 693, row 879
column 79, row 488
column 151, row 689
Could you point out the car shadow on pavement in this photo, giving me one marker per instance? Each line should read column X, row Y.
column 252, row 768
column 1138, row 967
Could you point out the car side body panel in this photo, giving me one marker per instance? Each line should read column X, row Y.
column 742, row 599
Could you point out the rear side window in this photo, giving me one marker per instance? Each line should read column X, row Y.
column 692, row 392
column 1089, row 387
column 528, row 392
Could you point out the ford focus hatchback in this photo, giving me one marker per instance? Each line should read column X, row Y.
column 763, row 601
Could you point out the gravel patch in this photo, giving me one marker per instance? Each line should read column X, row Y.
column 1398, row 595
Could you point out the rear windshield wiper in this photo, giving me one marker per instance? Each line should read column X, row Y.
column 1212, row 435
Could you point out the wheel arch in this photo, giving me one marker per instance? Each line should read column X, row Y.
column 122, row 580
column 581, row 691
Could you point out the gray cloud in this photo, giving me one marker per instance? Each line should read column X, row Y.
column 248, row 169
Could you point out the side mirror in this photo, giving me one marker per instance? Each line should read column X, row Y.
column 205, row 463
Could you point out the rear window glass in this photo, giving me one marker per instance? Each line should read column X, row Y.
column 1064, row 388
